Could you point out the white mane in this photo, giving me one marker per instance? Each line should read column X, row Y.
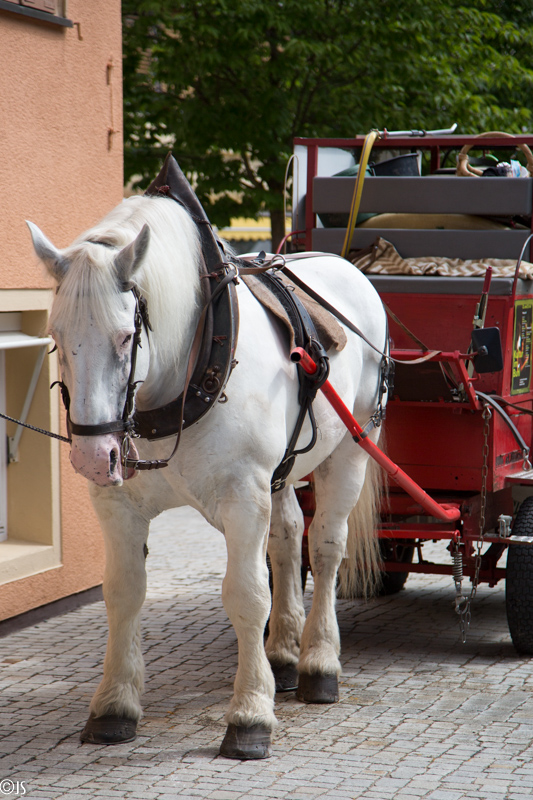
column 168, row 277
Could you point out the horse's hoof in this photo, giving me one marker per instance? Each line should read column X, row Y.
column 317, row 688
column 286, row 677
column 246, row 743
column 109, row 730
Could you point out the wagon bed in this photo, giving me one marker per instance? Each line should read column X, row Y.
column 442, row 438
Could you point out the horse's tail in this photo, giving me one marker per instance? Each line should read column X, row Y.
column 360, row 570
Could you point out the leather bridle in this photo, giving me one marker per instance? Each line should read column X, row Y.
column 126, row 423
column 225, row 275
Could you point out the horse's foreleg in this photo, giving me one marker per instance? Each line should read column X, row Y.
column 116, row 708
column 338, row 484
column 246, row 598
column 287, row 616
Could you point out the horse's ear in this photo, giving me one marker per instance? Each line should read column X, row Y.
column 54, row 262
column 130, row 257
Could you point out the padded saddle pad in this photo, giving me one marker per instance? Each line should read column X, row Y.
column 329, row 330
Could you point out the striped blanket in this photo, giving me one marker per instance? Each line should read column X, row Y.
column 383, row 258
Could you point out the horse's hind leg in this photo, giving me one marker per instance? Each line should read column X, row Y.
column 287, row 616
column 338, row 484
column 116, row 708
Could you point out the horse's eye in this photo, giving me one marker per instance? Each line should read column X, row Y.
column 127, row 340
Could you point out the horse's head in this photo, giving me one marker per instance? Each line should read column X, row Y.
column 93, row 325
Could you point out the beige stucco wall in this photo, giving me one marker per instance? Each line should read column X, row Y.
column 60, row 94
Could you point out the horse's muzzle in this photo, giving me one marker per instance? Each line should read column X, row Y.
column 98, row 459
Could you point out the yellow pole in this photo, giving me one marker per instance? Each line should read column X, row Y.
column 358, row 190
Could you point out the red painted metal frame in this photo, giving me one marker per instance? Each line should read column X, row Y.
column 456, row 358
column 446, row 512
column 432, row 143
column 491, row 576
column 438, row 441
column 416, row 422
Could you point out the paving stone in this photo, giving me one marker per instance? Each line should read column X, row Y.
column 421, row 716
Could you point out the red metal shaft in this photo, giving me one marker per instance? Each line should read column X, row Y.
column 445, row 512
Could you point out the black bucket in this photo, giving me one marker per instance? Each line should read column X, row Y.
column 406, row 164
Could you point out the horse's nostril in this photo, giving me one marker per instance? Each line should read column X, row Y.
column 113, row 460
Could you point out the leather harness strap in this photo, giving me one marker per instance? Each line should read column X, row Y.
column 210, row 363
column 304, row 332
column 257, row 270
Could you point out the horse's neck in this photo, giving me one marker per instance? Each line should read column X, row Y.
column 170, row 348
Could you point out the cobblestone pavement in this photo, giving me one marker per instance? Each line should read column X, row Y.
column 420, row 715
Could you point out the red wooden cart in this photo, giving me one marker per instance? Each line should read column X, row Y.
column 462, row 435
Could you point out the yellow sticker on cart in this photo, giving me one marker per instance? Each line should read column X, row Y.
column 523, row 317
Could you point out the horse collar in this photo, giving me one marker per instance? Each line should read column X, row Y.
column 210, row 362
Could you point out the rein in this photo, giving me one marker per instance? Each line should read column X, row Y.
column 282, row 266
column 278, row 263
column 225, row 273
column 207, row 369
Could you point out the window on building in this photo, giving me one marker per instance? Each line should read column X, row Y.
column 29, row 464
column 53, row 11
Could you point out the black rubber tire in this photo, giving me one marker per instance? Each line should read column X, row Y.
column 393, row 582
column 519, row 582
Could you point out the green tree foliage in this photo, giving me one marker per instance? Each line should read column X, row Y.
column 228, row 84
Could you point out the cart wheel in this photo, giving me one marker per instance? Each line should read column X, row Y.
column 519, row 582
column 391, row 550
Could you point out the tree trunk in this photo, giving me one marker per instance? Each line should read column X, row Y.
column 277, row 225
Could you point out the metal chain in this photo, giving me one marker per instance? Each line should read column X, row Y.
column 463, row 604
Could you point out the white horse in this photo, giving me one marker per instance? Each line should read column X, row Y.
column 224, row 463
